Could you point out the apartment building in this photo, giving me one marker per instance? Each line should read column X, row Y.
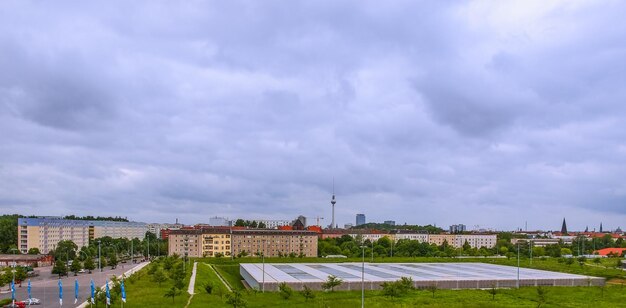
column 45, row 233
column 211, row 242
column 421, row 237
column 458, row 240
column 273, row 243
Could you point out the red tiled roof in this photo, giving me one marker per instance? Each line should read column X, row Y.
column 607, row 251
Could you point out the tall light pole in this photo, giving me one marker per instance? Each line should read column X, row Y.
column 530, row 247
column 14, row 265
column 263, row 260
column 518, row 264
column 372, row 251
column 363, row 277
column 99, row 257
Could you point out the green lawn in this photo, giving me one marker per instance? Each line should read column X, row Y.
column 525, row 297
column 145, row 293
column 230, row 273
column 141, row 291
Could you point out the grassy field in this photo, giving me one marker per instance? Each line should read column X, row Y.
column 230, row 273
column 143, row 292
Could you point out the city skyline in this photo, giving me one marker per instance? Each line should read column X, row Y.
column 497, row 115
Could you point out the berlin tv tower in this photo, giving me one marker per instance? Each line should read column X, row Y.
column 333, row 201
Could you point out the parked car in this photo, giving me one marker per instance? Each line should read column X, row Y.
column 82, row 271
column 17, row 305
column 32, row 301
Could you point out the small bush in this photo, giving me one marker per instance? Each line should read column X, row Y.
column 285, row 290
column 307, row 293
column 208, row 287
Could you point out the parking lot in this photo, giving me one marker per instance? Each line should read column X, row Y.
column 45, row 285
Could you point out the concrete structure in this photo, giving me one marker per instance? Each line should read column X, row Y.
column 441, row 275
column 273, row 224
column 220, row 221
column 390, row 222
column 360, row 219
column 46, row 232
column 458, row 240
column 458, row 228
column 156, row 228
column 212, row 242
column 26, row 260
column 348, row 226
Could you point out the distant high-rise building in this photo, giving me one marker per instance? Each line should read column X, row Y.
column 219, row 221
column 390, row 222
column 302, row 219
column 360, row 219
column 601, row 228
column 457, row 228
column 564, row 227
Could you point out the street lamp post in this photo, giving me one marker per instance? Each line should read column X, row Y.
column 518, row 264
column 14, row 264
column 530, row 247
column 99, row 257
column 263, row 260
column 372, row 251
column 363, row 277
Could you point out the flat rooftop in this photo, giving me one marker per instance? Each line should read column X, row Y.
column 445, row 275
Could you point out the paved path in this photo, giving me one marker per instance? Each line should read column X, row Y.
column 45, row 287
column 192, row 283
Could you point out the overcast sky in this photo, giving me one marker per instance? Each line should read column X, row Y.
column 489, row 113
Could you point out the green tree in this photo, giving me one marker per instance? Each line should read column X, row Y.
column 331, row 283
column 235, row 299
column 65, row 250
column 432, row 288
column 285, row 290
column 172, row 292
column 493, row 291
column 159, row 277
column 34, row 251
column 307, row 293
column 76, row 266
column 542, row 294
column 113, row 261
column 89, row 264
column 8, row 232
column 240, row 223
column 59, row 268
column 262, row 225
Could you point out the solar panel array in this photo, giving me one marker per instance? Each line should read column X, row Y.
column 380, row 272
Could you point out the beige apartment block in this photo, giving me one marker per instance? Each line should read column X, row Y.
column 45, row 233
column 273, row 243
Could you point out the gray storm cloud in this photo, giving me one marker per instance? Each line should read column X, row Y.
column 483, row 113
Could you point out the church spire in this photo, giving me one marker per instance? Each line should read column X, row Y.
column 564, row 227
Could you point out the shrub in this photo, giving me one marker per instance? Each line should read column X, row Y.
column 285, row 290
column 331, row 283
column 307, row 293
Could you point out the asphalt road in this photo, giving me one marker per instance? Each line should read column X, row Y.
column 45, row 287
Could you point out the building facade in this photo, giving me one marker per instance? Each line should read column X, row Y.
column 274, row 243
column 213, row 242
column 273, row 224
column 156, row 228
column 458, row 228
column 45, row 233
column 360, row 219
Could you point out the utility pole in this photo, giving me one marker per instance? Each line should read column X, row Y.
column 263, row 257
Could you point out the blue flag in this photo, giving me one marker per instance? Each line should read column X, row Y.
column 12, row 291
column 29, row 295
column 75, row 291
column 93, row 293
column 108, row 293
column 60, row 292
column 123, row 291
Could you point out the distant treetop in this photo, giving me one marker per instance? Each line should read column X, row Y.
column 116, row 218
column 377, row 226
